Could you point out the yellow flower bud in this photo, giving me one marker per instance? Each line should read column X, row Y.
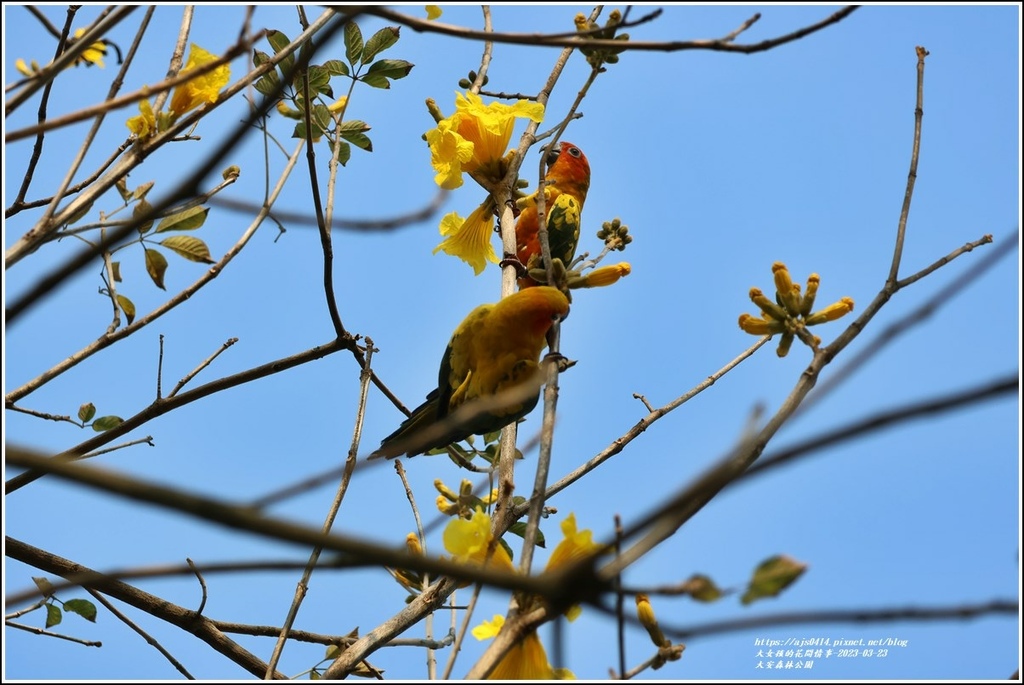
column 767, row 306
column 445, row 490
column 434, row 110
column 755, row 325
column 645, row 613
column 807, row 304
column 20, row 65
column 831, row 312
column 784, row 344
column 412, row 543
column 446, row 507
column 784, row 286
column 605, row 275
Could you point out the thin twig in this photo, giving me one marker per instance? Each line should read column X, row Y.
column 194, row 372
column 107, row 340
column 187, row 620
column 885, row 614
column 905, row 323
column 332, row 513
column 43, row 20
column 1006, row 385
column 572, row 40
column 148, row 440
column 620, row 612
column 901, row 230
column 44, row 415
column 47, row 633
column 202, row 585
column 619, row 443
column 161, row 407
column 422, row 539
column 37, row 148
column 102, row 26
column 142, row 633
column 426, row 213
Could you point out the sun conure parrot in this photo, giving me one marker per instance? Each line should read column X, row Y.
column 494, row 350
column 568, row 179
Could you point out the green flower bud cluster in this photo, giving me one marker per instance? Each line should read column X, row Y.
column 615, row 234
column 599, row 56
column 465, row 83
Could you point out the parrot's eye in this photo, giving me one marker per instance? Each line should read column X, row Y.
column 575, row 151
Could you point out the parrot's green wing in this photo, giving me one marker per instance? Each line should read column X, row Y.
column 564, row 227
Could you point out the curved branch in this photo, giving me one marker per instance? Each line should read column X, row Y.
column 186, row 619
column 955, row 611
column 368, row 225
column 561, row 40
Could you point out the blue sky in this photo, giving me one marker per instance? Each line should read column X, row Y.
column 721, row 164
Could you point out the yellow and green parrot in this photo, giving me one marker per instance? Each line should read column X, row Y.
column 489, row 374
column 565, row 190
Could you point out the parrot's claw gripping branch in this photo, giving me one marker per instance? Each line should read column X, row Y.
column 561, row 362
column 513, row 261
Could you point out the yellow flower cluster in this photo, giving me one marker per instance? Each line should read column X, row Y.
column 195, row 92
column 464, row 502
column 469, row 541
column 473, row 140
column 469, row 239
column 93, row 54
column 791, row 311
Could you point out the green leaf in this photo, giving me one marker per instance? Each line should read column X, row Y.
column 335, row 67
column 319, row 82
column 314, row 674
column 122, row 189
column 772, row 576
column 353, row 42
column 105, row 423
column 300, row 130
column 332, row 652
column 321, row 117
column 353, row 126
column 379, row 42
column 259, row 58
column 156, row 266
column 359, row 140
column 344, row 154
column 185, row 220
column 142, row 207
column 501, row 541
column 189, row 247
column 702, row 588
column 127, row 306
column 382, row 70
column 279, row 42
column 82, row 607
column 268, row 83
column 53, row 615
column 375, row 81
column 519, row 528
column 115, row 271
column 44, row 585
column 143, row 190
column 79, row 213
column 86, row 412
